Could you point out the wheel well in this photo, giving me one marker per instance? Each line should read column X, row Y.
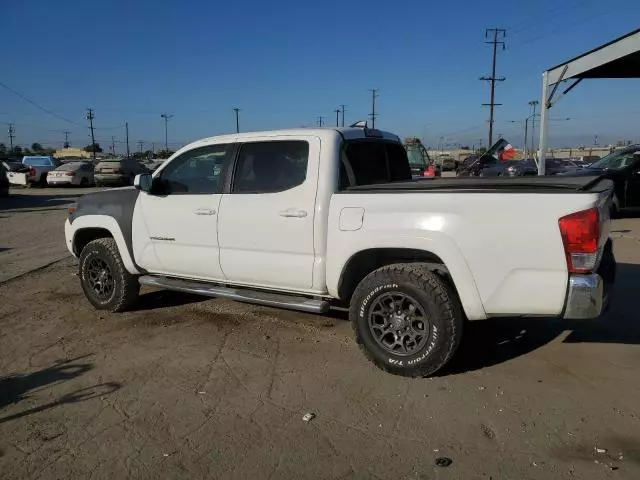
column 366, row 261
column 86, row 235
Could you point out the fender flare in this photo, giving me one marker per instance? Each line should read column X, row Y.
column 438, row 244
column 111, row 225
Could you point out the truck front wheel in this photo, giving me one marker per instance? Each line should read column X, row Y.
column 106, row 282
column 407, row 319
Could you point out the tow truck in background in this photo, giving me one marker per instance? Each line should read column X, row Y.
column 419, row 161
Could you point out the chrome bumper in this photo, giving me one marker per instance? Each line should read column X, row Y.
column 586, row 297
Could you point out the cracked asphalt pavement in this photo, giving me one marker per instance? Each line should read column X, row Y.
column 186, row 387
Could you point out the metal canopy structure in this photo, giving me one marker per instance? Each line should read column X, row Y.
column 619, row 58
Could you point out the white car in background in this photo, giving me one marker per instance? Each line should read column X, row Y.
column 72, row 173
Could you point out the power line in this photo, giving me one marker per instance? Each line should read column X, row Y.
column 497, row 32
column 39, row 107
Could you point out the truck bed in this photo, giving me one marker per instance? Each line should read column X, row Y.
column 552, row 184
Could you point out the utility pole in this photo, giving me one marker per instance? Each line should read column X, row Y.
column 153, row 149
column 126, row 128
column 140, row 144
column 337, row 110
column 237, row 110
column 526, row 126
column 320, row 120
column 12, row 135
column 113, row 145
column 373, row 114
column 66, row 139
column 166, row 121
column 497, row 33
column 342, row 109
column 93, row 139
column 533, row 103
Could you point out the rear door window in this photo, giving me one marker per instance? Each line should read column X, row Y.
column 271, row 167
column 367, row 162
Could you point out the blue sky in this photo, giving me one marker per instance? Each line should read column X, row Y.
column 284, row 63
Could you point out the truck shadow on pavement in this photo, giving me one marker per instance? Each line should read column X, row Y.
column 498, row 340
column 165, row 299
column 15, row 388
column 36, row 203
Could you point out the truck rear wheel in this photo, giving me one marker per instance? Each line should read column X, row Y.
column 407, row 319
column 106, row 282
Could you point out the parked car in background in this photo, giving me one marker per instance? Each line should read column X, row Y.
column 4, row 180
column 446, row 163
column 117, row 171
column 39, row 167
column 16, row 172
column 585, row 160
column 72, row 173
column 623, row 168
column 475, row 166
column 519, row 168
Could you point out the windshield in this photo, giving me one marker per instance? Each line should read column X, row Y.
column 615, row 160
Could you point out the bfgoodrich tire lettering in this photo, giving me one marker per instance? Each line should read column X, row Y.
column 433, row 300
column 106, row 282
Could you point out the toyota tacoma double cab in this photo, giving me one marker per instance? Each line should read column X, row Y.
column 308, row 219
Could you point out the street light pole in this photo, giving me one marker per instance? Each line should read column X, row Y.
column 166, row 128
column 526, row 125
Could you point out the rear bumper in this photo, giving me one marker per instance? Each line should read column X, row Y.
column 111, row 178
column 589, row 295
column 586, row 297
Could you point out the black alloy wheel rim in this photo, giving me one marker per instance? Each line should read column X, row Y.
column 398, row 323
column 100, row 279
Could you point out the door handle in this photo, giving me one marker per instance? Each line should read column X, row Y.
column 204, row 211
column 293, row 213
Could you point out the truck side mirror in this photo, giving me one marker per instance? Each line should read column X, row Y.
column 143, row 181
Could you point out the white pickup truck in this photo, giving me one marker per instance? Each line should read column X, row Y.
column 310, row 218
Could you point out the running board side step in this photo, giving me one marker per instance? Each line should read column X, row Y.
column 269, row 299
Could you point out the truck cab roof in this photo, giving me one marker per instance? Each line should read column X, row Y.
column 348, row 133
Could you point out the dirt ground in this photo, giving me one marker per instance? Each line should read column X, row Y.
column 186, row 387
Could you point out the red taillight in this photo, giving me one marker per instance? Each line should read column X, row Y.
column 32, row 172
column 70, row 174
column 580, row 235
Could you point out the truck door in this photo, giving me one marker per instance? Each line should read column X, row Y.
column 175, row 230
column 265, row 225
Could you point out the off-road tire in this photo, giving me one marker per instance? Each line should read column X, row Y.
column 434, row 295
column 126, row 287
